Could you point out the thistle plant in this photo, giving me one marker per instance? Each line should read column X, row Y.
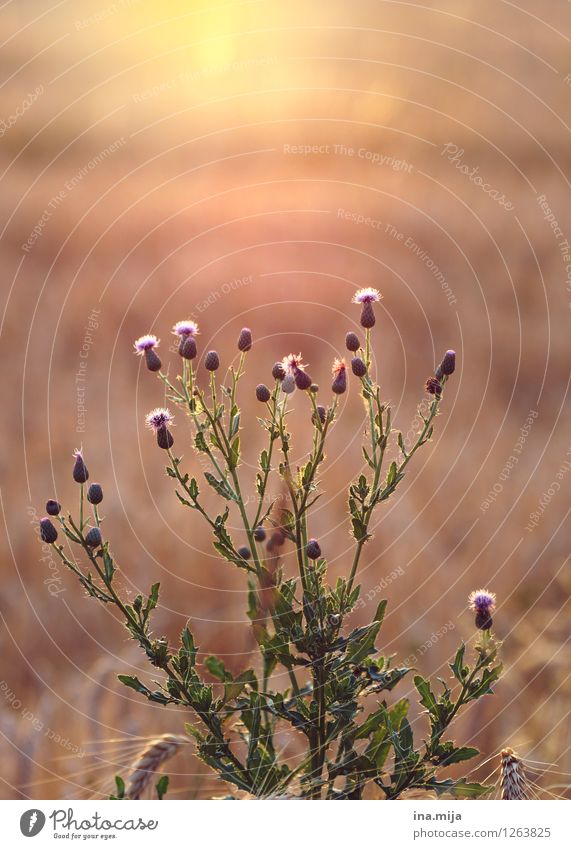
column 300, row 621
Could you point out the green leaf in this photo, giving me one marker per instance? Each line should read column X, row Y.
column 427, row 697
column 162, row 786
column 460, row 671
column 216, row 668
column 221, row 487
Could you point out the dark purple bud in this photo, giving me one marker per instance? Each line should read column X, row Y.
column 483, row 620
column 288, row 384
column 48, row 532
column 187, row 348
column 448, row 363
column 339, row 384
column 358, row 367
column 245, row 339
column 211, row 361
column 244, row 552
column 276, row 539
column 302, row 379
column 80, row 473
column 438, row 374
column 260, row 534
column 278, row 371
column 313, row 549
column 433, row 386
column 320, row 413
column 352, row 342
column 93, row 538
column 263, row 394
column 152, row 359
column 95, row 494
column 53, row 507
column 314, row 388
column 368, row 315
column 164, row 438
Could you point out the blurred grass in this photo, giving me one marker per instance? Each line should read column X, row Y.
column 199, row 211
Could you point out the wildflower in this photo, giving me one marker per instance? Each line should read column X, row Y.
column 302, row 380
column 244, row 552
column 339, row 384
column 93, row 538
column 263, row 394
column 313, row 549
column 278, row 371
column 352, row 342
column 367, row 297
column 159, row 420
column 95, row 494
column 321, row 413
column 186, row 328
column 145, row 345
column 448, row 363
column 80, row 473
column 260, row 534
column 433, row 386
column 53, row 507
column 48, row 532
column 187, row 348
column 245, row 339
column 483, row 603
column 212, row 361
column 358, row 367
column 293, row 366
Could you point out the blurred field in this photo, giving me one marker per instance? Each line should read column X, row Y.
column 157, row 160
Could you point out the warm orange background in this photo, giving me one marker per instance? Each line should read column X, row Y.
column 159, row 142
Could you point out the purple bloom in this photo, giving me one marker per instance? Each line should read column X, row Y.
column 159, row 418
column 145, row 343
column 367, row 296
column 482, row 601
column 185, row 328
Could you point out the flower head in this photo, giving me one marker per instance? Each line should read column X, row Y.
column 145, row 343
column 48, row 532
column 448, row 363
column 367, row 296
column 292, row 364
column 339, row 370
column 245, row 339
column 159, row 418
column 80, row 473
column 482, row 601
column 185, row 328
column 433, row 386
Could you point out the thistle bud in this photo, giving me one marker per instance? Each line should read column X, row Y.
column 53, row 508
column 165, row 439
column 93, row 538
column 244, row 552
column 152, row 360
column 260, row 534
column 433, row 386
column 187, row 348
column 339, row 384
column 211, row 361
column 302, row 379
column 448, row 363
column 263, row 394
column 313, row 549
column 438, row 374
column 314, row 388
column 367, row 315
column 80, row 473
column 95, row 494
column 483, row 621
column 288, row 384
column 352, row 342
column 245, row 339
column 321, row 413
column 358, row 367
column 48, row 532
column 278, row 371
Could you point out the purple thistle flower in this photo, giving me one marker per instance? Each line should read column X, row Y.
column 245, row 339
column 211, row 361
column 48, row 532
column 367, row 297
column 448, row 363
column 302, row 380
column 433, row 386
column 158, row 418
column 80, row 473
column 185, row 328
column 145, row 346
column 339, row 384
column 483, row 603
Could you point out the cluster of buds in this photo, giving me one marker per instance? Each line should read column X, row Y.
column 80, row 474
column 445, row 369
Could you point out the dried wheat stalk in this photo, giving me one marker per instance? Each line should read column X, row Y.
column 158, row 751
column 512, row 778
